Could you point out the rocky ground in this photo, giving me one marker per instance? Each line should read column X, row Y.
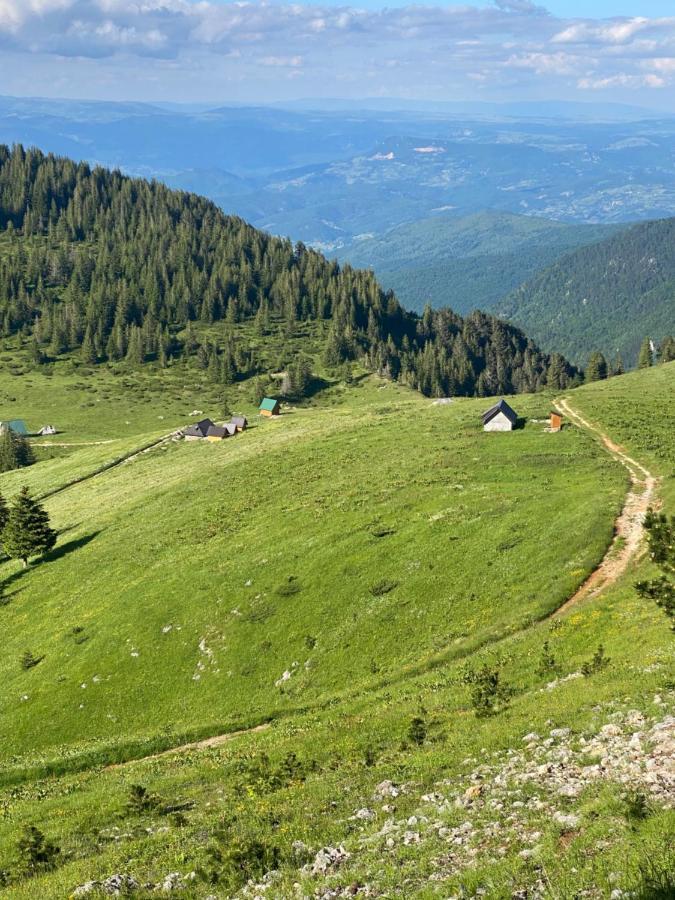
column 505, row 805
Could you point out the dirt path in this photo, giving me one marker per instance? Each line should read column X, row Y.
column 628, row 527
column 205, row 744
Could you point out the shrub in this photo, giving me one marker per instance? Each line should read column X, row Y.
column 36, row 852
column 29, row 660
column 417, row 730
column 232, row 860
column 547, row 663
column 488, row 693
column 140, row 800
column 380, row 588
column 597, row 664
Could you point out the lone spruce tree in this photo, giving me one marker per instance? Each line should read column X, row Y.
column 645, row 358
column 597, row 367
column 27, row 531
column 15, row 451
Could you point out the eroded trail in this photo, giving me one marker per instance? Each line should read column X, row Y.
column 629, row 525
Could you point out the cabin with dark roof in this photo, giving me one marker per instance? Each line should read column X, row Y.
column 500, row 417
column 239, row 422
column 270, row 407
column 198, row 431
column 217, row 433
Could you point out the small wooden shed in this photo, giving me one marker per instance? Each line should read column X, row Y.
column 18, row 426
column 556, row 420
column 500, row 417
column 217, row 433
column 270, row 407
column 239, row 422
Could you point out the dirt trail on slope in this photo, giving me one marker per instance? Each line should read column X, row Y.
column 628, row 527
column 205, row 744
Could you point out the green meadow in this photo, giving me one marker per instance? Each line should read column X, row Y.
column 334, row 574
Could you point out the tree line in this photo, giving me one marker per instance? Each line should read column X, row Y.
column 118, row 269
column 650, row 354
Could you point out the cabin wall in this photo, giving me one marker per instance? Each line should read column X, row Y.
column 499, row 423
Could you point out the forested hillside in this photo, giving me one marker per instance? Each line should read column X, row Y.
column 608, row 296
column 111, row 269
column 467, row 262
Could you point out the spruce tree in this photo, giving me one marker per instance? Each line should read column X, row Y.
column 667, row 349
column 645, row 358
column 597, row 367
column 15, row 451
column 4, row 514
column 27, row 531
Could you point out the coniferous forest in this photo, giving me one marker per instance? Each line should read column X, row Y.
column 113, row 268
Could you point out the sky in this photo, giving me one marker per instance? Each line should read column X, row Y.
column 251, row 51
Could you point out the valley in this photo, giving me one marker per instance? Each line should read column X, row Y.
column 364, row 647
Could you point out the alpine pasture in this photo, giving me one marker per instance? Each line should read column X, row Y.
column 338, row 574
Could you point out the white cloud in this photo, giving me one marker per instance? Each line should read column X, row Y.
column 511, row 45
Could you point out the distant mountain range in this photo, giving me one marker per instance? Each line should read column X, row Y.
column 467, row 262
column 608, row 296
column 327, row 176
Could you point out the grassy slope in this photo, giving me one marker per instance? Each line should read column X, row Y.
column 248, row 549
column 83, row 811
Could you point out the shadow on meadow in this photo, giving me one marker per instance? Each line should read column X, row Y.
column 58, row 552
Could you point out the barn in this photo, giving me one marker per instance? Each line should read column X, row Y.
column 500, row 417
column 270, row 407
column 556, row 420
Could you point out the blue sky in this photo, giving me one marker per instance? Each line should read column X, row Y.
column 477, row 50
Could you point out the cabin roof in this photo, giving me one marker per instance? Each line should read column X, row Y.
column 501, row 407
column 200, row 429
column 217, row 431
column 18, row 426
column 269, row 404
column 238, row 420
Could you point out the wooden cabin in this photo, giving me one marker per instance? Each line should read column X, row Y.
column 17, row 426
column 500, row 417
column 556, row 420
column 198, row 431
column 217, row 433
column 239, row 422
column 270, row 407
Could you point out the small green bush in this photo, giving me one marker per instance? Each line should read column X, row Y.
column 380, row 588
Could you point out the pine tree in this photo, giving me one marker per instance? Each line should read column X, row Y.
column 617, row 365
column 15, row 451
column 4, row 513
column 597, row 367
column 645, row 358
column 667, row 349
column 27, row 531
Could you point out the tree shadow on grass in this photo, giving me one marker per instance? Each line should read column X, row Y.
column 58, row 552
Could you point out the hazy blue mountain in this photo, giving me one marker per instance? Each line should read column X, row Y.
column 326, row 176
column 607, row 296
column 467, row 262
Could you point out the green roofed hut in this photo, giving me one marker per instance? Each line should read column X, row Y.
column 270, row 407
column 18, row 426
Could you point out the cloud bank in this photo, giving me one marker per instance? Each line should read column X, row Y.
column 514, row 47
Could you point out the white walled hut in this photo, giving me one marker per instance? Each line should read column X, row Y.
column 500, row 417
